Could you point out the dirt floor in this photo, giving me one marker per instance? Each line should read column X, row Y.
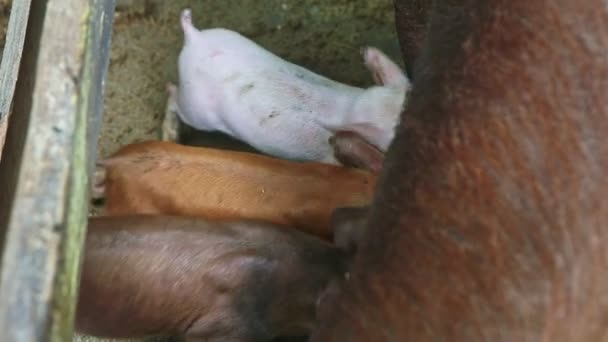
column 322, row 35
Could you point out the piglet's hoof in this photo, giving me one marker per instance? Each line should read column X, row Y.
column 99, row 177
column 170, row 126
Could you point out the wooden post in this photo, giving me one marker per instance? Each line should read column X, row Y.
column 46, row 165
column 11, row 59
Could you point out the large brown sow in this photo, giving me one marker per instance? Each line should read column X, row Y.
column 491, row 216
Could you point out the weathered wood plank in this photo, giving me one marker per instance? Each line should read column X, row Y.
column 98, row 54
column 43, row 174
column 90, row 108
column 11, row 59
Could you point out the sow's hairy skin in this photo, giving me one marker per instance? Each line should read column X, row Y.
column 491, row 217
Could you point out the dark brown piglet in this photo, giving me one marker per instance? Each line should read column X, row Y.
column 206, row 281
column 490, row 219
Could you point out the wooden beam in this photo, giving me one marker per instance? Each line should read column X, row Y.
column 46, row 166
column 11, row 60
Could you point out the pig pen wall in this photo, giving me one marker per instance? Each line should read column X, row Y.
column 324, row 36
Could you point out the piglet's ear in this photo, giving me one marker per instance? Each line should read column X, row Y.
column 352, row 150
column 368, row 132
column 348, row 226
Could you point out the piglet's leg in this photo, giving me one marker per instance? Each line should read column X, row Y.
column 383, row 69
column 170, row 128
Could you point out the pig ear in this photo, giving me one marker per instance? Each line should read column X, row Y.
column 352, row 150
column 367, row 131
column 384, row 71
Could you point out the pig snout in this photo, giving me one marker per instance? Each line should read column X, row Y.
column 230, row 84
column 204, row 280
column 352, row 150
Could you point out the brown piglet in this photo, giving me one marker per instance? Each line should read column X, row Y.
column 166, row 178
column 205, row 281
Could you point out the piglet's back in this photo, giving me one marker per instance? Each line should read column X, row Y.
column 167, row 178
column 163, row 275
